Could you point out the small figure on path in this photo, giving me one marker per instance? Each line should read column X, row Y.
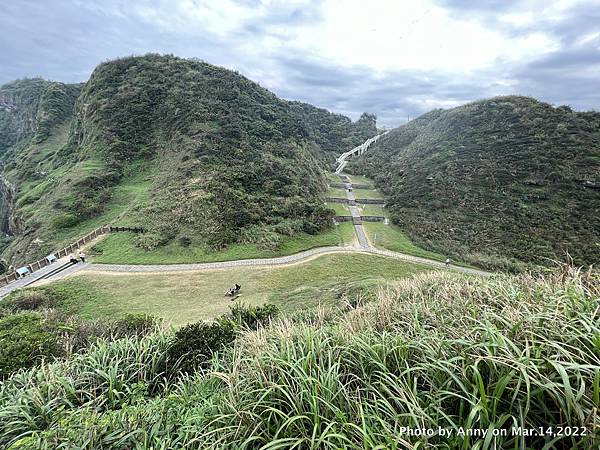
column 73, row 259
column 82, row 256
column 447, row 262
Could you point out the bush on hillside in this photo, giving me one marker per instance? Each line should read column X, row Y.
column 26, row 339
column 64, row 220
column 195, row 344
column 251, row 317
column 28, row 300
column 135, row 324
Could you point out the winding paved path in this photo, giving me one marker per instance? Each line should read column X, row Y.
column 263, row 262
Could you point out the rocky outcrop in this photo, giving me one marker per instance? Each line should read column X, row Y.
column 7, row 195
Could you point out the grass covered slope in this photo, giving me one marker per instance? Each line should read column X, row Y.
column 219, row 159
column 437, row 350
column 120, row 248
column 31, row 108
column 508, row 178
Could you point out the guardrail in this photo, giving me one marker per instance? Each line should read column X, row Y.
column 37, row 265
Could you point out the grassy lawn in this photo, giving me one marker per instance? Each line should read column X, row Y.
column 367, row 193
column 340, row 209
column 333, row 178
column 120, row 248
column 336, row 192
column 188, row 297
column 392, row 238
column 372, row 210
column 359, row 179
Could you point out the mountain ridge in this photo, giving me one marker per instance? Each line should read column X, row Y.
column 218, row 158
column 510, row 177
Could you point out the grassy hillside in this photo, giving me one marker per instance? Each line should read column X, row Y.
column 495, row 182
column 196, row 154
column 435, row 351
column 31, row 108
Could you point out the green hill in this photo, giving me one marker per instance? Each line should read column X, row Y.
column 192, row 152
column 495, row 182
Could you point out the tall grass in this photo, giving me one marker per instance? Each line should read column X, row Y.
column 106, row 377
column 437, row 350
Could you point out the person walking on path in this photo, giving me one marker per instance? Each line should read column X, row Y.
column 73, row 259
column 447, row 262
column 82, row 256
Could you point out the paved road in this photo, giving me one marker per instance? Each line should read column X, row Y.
column 362, row 237
column 31, row 278
column 264, row 262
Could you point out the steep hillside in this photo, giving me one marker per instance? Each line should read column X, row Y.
column 31, row 108
column 496, row 181
column 34, row 118
column 190, row 151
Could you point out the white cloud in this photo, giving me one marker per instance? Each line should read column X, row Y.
column 380, row 34
column 387, row 56
column 386, row 35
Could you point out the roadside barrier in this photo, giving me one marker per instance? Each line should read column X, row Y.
column 37, row 265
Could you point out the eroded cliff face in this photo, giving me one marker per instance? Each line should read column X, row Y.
column 7, row 195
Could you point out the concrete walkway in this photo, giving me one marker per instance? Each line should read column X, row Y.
column 32, row 277
column 358, row 228
column 264, row 262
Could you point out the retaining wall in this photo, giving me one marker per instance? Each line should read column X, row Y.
column 336, row 200
column 343, row 218
column 370, row 201
column 373, row 218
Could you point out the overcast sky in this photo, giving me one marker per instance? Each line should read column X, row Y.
column 393, row 58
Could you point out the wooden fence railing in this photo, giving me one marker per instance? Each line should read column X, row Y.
column 37, row 265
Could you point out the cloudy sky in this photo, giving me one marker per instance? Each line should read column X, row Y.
column 390, row 57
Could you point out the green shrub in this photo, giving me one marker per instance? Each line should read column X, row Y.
column 251, row 317
column 135, row 324
column 28, row 300
column 185, row 241
column 64, row 220
column 150, row 241
column 25, row 339
column 196, row 343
